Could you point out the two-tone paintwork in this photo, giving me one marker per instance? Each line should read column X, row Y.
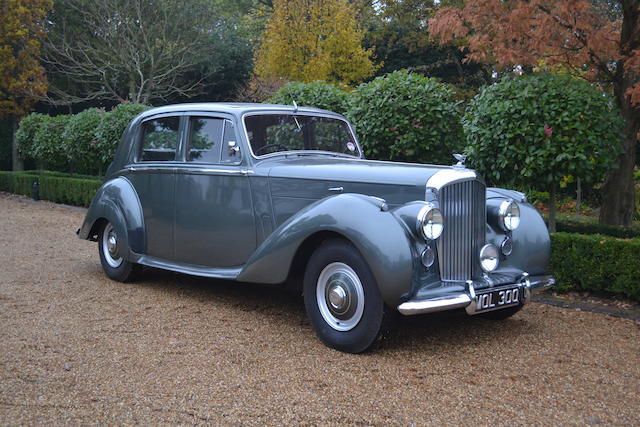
column 253, row 219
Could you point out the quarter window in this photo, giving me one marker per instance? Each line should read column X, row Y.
column 160, row 139
column 205, row 140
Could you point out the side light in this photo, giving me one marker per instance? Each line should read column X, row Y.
column 428, row 257
column 489, row 257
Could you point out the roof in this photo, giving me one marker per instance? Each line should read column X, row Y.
column 235, row 108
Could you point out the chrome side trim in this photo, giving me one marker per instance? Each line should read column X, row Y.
column 194, row 270
column 450, row 176
column 214, row 171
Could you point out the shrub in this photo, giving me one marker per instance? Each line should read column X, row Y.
column 26, row 134
column 80, row 143
column 111, row 128
column 316, row 94
column 48, row 144
column 537, row 129
column 596, row 263
column 406, row 117
column 57, row 188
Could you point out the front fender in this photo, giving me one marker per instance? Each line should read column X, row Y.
column 380, row 237
column 117, row 202
column 531, row 241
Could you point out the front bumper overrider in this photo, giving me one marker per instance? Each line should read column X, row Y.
column 468, row 299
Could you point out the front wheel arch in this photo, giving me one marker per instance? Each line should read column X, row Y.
column 305, row 251
column 366, row 319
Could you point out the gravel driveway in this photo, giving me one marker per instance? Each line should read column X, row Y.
column 77, row 348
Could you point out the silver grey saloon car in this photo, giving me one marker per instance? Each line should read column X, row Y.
column 277, row 194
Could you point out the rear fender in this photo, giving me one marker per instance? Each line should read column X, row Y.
column 381, row 238
column 117, row 202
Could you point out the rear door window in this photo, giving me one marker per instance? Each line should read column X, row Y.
column 160, row 139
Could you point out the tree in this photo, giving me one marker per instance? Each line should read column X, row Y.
column 22, row 77
column 308, row 40
column 598, row 40
column 540, row 128
column 400, row 38
column 406, row 117
column 135, row 50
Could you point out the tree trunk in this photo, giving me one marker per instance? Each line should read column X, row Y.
column 618, row 194
column 578, row 198
column 552, row 209
column 16, row 161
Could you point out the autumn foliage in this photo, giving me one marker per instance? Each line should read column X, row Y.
column 309, row 40
column 598, row 40
column 22, row 77
column 575, row 34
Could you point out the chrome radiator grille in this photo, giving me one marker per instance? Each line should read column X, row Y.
column 465, row 214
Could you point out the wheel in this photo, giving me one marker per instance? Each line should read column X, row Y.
column 505, row 313
column 113, row 264
column 342, row 298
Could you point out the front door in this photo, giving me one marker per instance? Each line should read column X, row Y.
column 214, row 221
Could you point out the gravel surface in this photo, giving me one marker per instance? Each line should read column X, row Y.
column 77, row 348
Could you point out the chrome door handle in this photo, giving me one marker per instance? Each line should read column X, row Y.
column 336, row 189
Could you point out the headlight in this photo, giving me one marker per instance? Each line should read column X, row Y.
column 430, row 222
column 489, row 257
column 509, row 214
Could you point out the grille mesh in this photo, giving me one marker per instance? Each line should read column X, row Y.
column 464, row 210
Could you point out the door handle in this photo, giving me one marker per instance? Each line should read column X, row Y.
column 336, row 189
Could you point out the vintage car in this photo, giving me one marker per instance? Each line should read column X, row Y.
column 277, row 194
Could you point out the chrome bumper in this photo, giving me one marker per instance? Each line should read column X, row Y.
column 468, row 299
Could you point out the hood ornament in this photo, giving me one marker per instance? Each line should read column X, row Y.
column 461, row 159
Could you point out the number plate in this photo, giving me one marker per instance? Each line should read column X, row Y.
column 492, row 300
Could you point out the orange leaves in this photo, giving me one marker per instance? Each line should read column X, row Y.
column 511, row 33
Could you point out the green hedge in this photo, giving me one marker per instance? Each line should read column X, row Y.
column 69, row 189
column 81, row 143
column 568, row 226
column 596, row 263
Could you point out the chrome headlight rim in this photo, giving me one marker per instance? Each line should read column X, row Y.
column 426, row 215
column 507, row 220
column 489, row 257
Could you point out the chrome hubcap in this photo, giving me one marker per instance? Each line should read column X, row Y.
column 337, row 297
column 340, row 296
column 110, row 246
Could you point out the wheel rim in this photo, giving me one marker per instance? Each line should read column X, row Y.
column 340, row 296
column 110, row 247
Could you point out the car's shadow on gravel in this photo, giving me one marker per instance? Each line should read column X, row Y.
column 283, row 306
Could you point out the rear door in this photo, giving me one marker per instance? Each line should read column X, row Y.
column 152, row 175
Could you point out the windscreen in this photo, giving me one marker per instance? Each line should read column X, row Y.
column 273, row 133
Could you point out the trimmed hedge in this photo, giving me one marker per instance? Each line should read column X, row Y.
column 407, row 117
column 84, row 142
column 69, row 189
column 568, row 226
column 596, row 263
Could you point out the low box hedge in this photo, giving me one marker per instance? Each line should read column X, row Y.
column 596, row 263
column 56, row 187
column 581, row 227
